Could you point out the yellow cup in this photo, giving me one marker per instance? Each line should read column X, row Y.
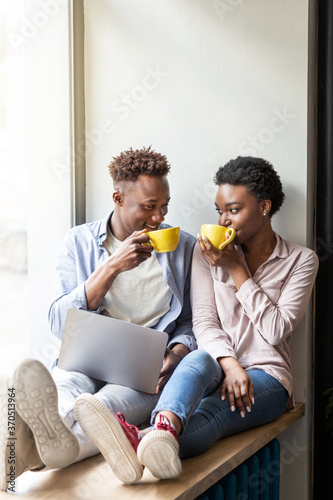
column 219, row 236
column 164, row 240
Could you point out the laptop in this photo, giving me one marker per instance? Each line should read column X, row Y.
column 112, row 350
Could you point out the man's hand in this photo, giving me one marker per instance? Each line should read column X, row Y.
column 130, row 254
column 172, row 358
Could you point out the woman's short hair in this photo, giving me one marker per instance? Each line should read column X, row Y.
column 132, row 163
column 258, row 175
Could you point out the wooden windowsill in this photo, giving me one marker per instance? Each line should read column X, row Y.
column 92, row 478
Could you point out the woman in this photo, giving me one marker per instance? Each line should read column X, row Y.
column 246, row 300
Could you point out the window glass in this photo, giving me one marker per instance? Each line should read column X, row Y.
column 13, row 192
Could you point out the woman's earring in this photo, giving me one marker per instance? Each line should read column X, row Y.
column 265, row 213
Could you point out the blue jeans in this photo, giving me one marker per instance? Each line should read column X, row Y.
column 135, row 405
column 193, row 394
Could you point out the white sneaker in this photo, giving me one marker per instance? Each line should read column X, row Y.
column 116, row 439
column 37, row 404
column 159, row 450
column 18, row 452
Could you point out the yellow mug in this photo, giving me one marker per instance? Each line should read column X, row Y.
column 217, row 235
column 164, row 240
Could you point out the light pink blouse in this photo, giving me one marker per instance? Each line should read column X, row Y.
column 254, row 324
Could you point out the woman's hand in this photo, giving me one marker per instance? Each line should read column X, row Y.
column 228, row 258
column 237, row 385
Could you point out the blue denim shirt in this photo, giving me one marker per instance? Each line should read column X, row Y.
column 83, row 251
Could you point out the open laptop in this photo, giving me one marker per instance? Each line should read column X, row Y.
column 112, row 350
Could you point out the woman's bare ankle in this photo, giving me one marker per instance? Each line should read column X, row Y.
column 173, row 419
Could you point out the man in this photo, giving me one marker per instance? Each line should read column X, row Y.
column 99, row 269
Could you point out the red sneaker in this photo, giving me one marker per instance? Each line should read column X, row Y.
column 116, row 439
column 162, row 423
column 159, row 450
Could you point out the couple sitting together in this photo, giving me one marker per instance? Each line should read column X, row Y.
column 229, row 315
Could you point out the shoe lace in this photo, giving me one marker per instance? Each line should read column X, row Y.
column 163, row 423
column 126, row 424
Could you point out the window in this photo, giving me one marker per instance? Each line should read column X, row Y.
column 36, row 187
column 13, row 194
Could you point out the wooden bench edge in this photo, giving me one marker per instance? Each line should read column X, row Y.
column 255, row 439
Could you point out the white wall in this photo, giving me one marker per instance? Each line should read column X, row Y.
column 203, row 82
column 222, row 80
